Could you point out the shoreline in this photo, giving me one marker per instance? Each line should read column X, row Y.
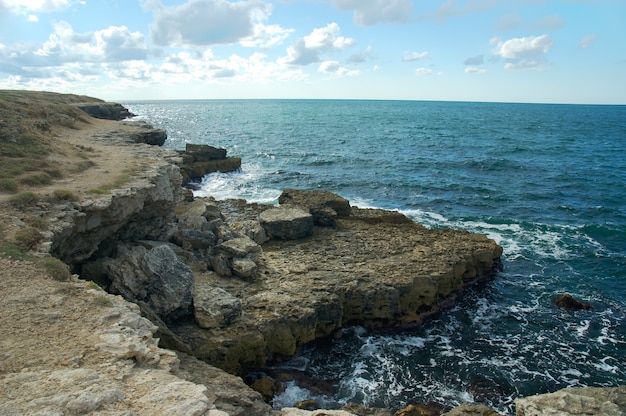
column 150, row 201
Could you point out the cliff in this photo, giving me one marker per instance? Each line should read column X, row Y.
column 231, row 283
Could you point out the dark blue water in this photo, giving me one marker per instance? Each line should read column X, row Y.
column 547, row 182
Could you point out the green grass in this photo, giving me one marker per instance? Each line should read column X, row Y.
column 64, row 195
column 12, row 251
column 8, row 185
column 24, row 200
column 27, row 238
column 82, row 166
column 55, row 268
column 103, row 301
column 36, row 179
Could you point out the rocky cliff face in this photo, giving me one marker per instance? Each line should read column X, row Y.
column 143, row 210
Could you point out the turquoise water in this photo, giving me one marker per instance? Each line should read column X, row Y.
column 547, row 182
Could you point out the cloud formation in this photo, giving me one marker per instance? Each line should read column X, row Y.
column 208, row 22
column 35, row 6
column 414, row 56
column 374, row 12
column 523, row 53
column 309, row 49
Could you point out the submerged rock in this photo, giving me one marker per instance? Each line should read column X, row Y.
column 567, row 302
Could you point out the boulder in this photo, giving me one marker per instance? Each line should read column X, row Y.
column 194, row 239
column 567, row 302
column 323, row 205
column 575, row 401
column 245, row 268
column 239, row 247
column 154, row 276
column 287, row 223
column 214, row 307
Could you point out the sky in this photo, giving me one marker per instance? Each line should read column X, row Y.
column 543, row 51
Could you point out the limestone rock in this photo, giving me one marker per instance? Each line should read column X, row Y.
column 239, row 247
column 287, row 223
column 292, row 411
column 170, row 281
column 194, row 239
column 155, row 276
column 199, row 160
column 149, row 135
column 214, row 307
column 323, row 205
column 142, row 211
column 575, row 401
column 105, row 110
column 244, row 268
column 467, row 409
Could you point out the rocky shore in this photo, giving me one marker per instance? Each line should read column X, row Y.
column 222, row 287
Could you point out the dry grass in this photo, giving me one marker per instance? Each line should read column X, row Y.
column 30, row 123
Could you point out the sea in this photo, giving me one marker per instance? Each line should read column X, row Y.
column 545, row 181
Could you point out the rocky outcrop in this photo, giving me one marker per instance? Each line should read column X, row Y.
column 143, row 210
column 147, row 134
column 200, row 160
column 373, row 268
column 105, row 110
column 324, row 206
column 155, row 276
column 567, row 302
column 574, row 402
column 286, row 223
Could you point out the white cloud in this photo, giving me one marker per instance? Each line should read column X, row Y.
column 116, row 43
column 473, row 70
column 29, row 6
column 310, row 48
column 266, row 36
column 326, row 38
column 586, row 42
column 336, row 70
column 373, row 12
column 523, row 53
column 33, row 18
column 414, row 56
column 207, row 22
column 423, row 71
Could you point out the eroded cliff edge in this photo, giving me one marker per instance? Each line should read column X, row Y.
column 246, row 298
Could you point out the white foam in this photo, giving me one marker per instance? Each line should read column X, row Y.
column 246, row 183
column 290, row 396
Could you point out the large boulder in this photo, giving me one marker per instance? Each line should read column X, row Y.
column 323, row 205
column 214, row 307
column 287, row 223
column 155, row 276
column 588, row 401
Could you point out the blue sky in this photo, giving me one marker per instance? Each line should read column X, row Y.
column 567, row 51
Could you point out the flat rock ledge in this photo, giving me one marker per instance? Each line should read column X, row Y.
column 372, row 267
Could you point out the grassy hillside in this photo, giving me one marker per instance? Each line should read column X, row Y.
column 30, row 121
